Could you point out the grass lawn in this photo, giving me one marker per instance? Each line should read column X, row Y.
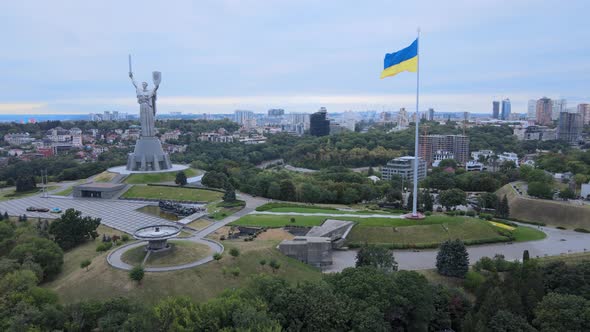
column 10, row 193
column 568, row 259
column 140, row 178
column 181, row 252
column 262, row 220
column 199, row 224
column 105, row 177
column 65, row 192
column 218, row 211
column 174, row 193
column 200, row 283
column 523, row 234
column 320, row 210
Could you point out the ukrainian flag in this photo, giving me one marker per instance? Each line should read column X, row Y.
column 403, row 60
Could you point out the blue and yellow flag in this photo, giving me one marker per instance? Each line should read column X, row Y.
column 403, row 60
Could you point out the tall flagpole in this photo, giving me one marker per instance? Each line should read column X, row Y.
column 416, row 160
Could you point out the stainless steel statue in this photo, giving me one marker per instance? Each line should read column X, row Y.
column 148, row 154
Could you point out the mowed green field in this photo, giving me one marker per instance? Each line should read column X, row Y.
column 200, row 283
column 173, row 193
column 140, row 178
column 398, row 232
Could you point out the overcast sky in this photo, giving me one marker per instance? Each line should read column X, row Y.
column 217, row 56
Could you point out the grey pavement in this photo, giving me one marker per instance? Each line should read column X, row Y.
column 121, row 215
column 557, row 242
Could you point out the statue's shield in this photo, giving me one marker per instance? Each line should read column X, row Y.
column 157, row 77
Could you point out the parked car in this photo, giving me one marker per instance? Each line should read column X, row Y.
column 37, row 209
column 55, row 210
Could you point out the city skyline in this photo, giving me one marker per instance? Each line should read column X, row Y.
column 216, row 57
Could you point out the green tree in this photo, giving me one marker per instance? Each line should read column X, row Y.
column 488, row 201
column 452, row 197
column 525, row 256
column 452, row 259
column 567, row 193
column 288, row 190
column 25, row 183
column 215, row 179
column 540, row 190
column 448, row 163
column 378, row 257
column 180, row 178
column 177, row 314
column 503, row 210
column 85, row 264
column 427, row 201
column 563, row 312
column 230, row 194
column 274, row 191
column 43, row 252
column 505, row 321
column 137, row 273
column 71, row 229
column 274, row 265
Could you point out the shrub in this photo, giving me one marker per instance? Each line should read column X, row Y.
column 234, row 252
column 137, row 273
column 470, row 213
column 274, row 265
column 235, row 272
column 85, row 264
column 581, row 230
column 104, row 246
column 262, row 262
column 125, row 237
column 473, row 280
column 217, row 256
column 427, row 213
column 560, row 227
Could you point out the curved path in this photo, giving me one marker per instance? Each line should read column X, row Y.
column 557, row 242
column 114, row 257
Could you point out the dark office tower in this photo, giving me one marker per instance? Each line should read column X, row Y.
column 570, row 127
column 506, row 109
column 495, row 109
column 431, row 114
column 318, row 124
column 276, row 112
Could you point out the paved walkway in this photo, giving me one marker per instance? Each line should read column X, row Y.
column 389, row 216
column 557, row 242
column 114, row 258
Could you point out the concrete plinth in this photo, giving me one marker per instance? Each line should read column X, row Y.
column 148, row 155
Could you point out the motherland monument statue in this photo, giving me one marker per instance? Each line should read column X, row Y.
column 148, row 154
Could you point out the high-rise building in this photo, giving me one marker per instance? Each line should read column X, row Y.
column 431, row 145
column 506, row 109
column 404, row 167
column 241, row 117
column 431, row 114
column 318, row 124
column 496, row 109
column 402, row 118
column 570, row 127
column 544, row 110
column 558, row 106
column 276, row 112
column 584, row 111
column 385, row 117
column 531, row 110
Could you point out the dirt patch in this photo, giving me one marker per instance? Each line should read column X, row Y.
column 275, row 234
column 223, row 231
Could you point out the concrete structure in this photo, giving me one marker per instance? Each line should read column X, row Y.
column 535, row 133
column 318, row 124
column 496, row 109
column 315, row 248
column 276, row 112
column 485, row 154
column 404, row 167
column 474, row 166
column 157, row 236
column 531, row 112
column 18, row 139
column 506, row 109
column 98, row 190
column 544, row 110
column 585, row 192
column 570, row 127
column 458, row 145
column 558, row 106
column 584, row 111
column 403, row 121
column 242, row 117
column 508, row 156
column 431, row 114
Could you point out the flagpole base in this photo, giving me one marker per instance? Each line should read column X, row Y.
column 417, row 216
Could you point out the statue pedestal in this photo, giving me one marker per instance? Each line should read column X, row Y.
column 148, row 156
